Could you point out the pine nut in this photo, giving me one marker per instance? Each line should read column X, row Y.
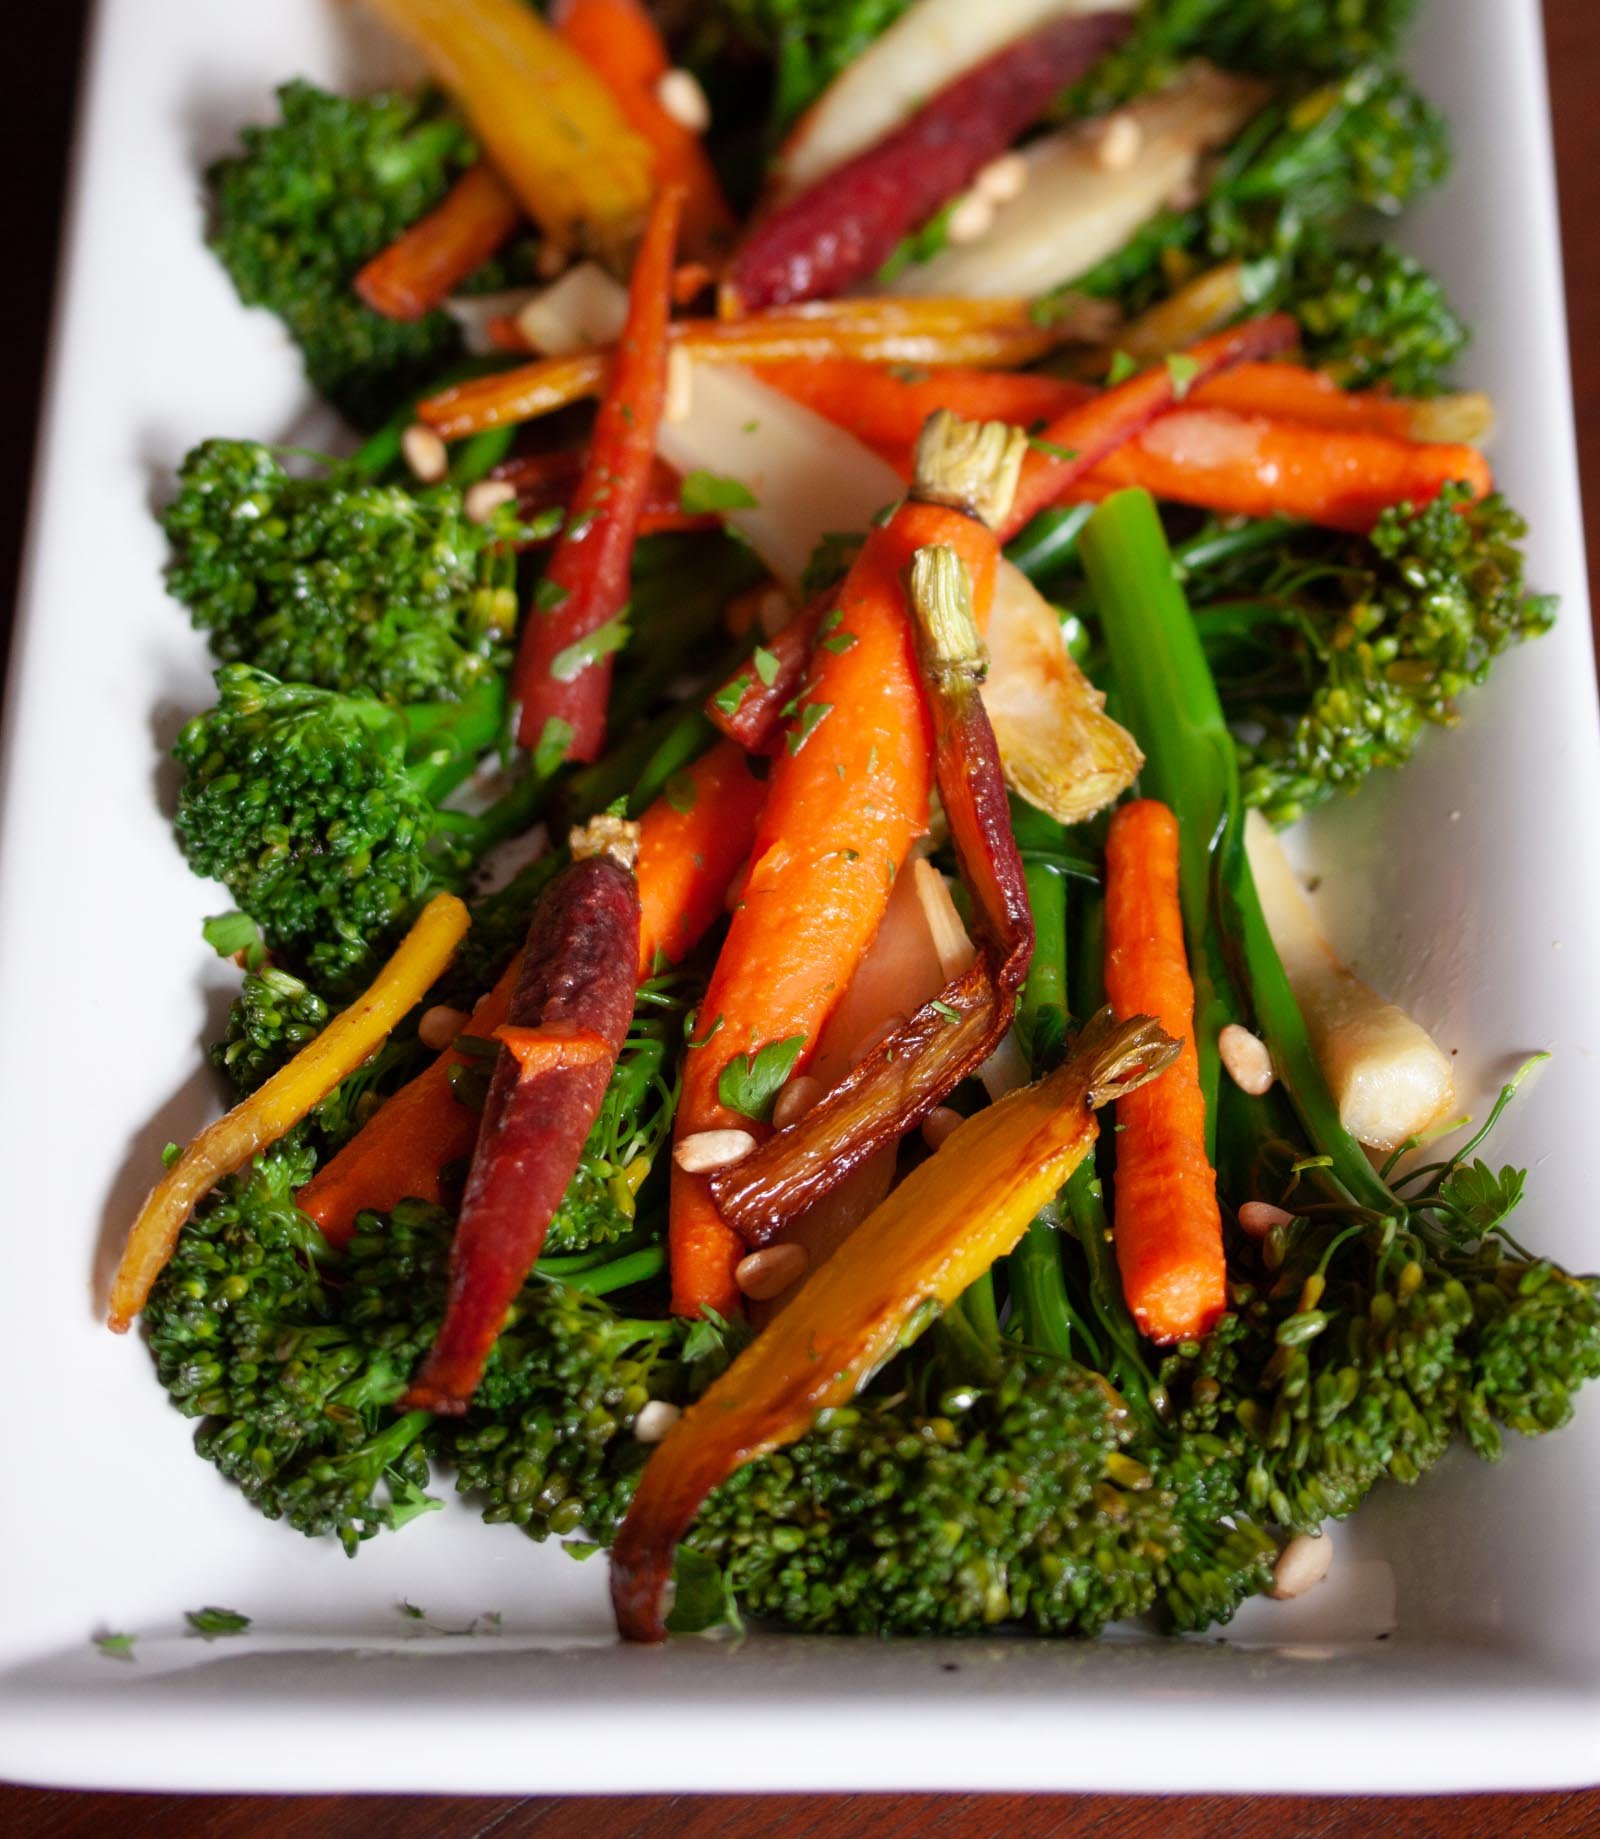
column 440, row 1025
column 1003, row 179
column 1118, row 142
column 550, row 261
column 940, row 1125
column 680, row 94
column 486, row 497
column 653, row 1420
column 1302, row 1563
column 796, row 1099
column 770, row 1271
column 774, row 611
column 679, row 399
column 1245, row 1056
column 425, row 453
column 971, row 218
column 1258, row 1217
column 705, row 1150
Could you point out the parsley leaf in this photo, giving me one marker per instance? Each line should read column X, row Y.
column 116, row 1647
column 728, row 698
column 1122, row 367
column 228, row 933
column 554, row 740
column 704, row 492
column 766, row 663
column 1183, row 370
column 1050, row 450
column 810, row 717
column 572, row 659
column 750, row 1082
column 211, row 1622
column 1481, row 1198
column 549, row 595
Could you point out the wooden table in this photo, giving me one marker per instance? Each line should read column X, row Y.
column 33, row 133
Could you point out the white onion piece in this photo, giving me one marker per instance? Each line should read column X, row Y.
column 585, row 308
column 1388, row 1077
column 927, row 47
column 1076, row 210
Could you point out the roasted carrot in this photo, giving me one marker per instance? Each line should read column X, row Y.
column 552, row 128
column 691, row 842
column 623, row 45
column 1248, row 466
column 562, row 678
column 999, row 332
column 420, row 269
column 227, row 1145
column 569, row 1016
column 941, row 1229
column 1167, row 1224
column 847, row 796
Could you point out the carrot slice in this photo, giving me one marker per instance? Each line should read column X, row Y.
column 562, row 677
column 623, row 45
column 420, row 269
column 690, row 846
column 1167, row 1224
column 227, row 1145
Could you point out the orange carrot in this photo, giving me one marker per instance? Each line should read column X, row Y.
column 623, row 46
column 1321, row 454
column 1001, row 332
column 1167, row 1225
column 847, row 796
column 562, row 677
column 1246, row 465
column 690, row 846
column 421, row 268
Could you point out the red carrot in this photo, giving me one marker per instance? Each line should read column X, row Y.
column 569, row 1013
column 844, row 227
column 419, row 270
column 1167, row 1224
column 623, row 45
column 562, row 677
column 690, row 845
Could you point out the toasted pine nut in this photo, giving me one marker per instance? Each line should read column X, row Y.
column 1245, row 1056
column 680, row 94
column 1303, row 1562
column 1258, row 1217
column 1118, row 142
column 653, row 1420
column 486, row 497
column 551, row 260
column 705, row 1150
column 970, row 219
column 679, row 398
column 440, row 1025
column 940, row 1124
column 425, row 453
column 774, row 611
column 770, row 1271
column 1003, row 179
column 796, row 1099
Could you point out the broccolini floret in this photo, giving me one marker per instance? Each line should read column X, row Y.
column 313, row 197
column 1372, row 316
column 1332, row 654
column 339, row 581
column 320, row 813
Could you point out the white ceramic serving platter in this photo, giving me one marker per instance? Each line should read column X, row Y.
column 1458, row 1643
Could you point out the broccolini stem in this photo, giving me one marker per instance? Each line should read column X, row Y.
column 1048, row 543
column 618, row 1273
column 1170, row 701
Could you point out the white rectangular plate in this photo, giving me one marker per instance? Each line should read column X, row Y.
column 1458, row 1645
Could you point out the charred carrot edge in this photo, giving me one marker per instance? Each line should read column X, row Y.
column 420, row 269
column 570, row 1009
column 1167, row 1225
column 623, row 45
column 690, row 847
column 845, row 226
column 586, row 581
column 227, row 1145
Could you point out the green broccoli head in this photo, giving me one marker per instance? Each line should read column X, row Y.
column 311, row 199
column 300, row 801
column 1332, row 654
column 272, row 1018
column 1373, row 317
column 339, row 582
column 1273, row 36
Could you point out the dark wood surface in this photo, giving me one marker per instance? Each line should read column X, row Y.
column 35, row 127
